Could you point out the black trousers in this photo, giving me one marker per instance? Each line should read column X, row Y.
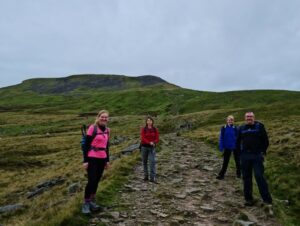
column 226, row 158
column 254, row 163
column 94, row 171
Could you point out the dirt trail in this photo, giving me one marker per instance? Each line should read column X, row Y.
column 187, row 193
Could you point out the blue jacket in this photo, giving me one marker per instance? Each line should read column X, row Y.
column 228, row 137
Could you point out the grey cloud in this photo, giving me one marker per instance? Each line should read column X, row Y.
column 216, row 45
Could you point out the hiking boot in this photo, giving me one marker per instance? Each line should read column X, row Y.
column 249, row 203
column 146, row 179
column 220, row 177
column 86, row 208
column 153, row 181
column 94, row 206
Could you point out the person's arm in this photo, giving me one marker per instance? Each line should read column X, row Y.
column 88, row 142
column 86, row 147
column 221, row 139
column 265, row 139
column 107, row 152
column 238, row 140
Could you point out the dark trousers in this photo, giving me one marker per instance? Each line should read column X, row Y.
column 254, row 162
column 94, row 171
column 226, row 158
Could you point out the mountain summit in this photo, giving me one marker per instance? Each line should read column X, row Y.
column 89, row 81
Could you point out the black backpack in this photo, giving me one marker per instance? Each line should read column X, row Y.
column 83, row 138
column 83, row 132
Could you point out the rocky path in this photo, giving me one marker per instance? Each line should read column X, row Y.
column 187, row 193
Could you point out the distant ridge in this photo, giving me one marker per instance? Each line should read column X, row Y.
column 89, row 81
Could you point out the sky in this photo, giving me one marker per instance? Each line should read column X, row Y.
column 197, row 44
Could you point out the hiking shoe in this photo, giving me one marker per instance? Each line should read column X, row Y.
column 220, row 177
column 94, row 206
column 249, row 203
column 146, row 179
column 86, row 208
column 154, row 181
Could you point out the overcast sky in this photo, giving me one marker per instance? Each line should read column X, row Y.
column 204, row 45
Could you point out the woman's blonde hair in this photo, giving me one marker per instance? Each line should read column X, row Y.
column 99, row 114
column 230, row 117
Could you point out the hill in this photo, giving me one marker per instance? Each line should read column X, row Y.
column 87, row 82
column 39, row 134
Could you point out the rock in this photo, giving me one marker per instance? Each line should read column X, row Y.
column 144, row 221
column 11, row 208
column 180, row 196
column 106, row 221
column 51, row 183
column 130, row 149
column 207, row 168
column 115, row 215
column 35, row 192
column 247, row 216
column 207, row 208
column 243, row 223
column 222, row 219
column 158, row 213
column 73, row 188
column 176, row 180
column 193, row 190
column 179, row 219
column 117, row 140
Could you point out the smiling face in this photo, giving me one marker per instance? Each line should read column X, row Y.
column 249, row 118
column 230, row 121
column 103, row 119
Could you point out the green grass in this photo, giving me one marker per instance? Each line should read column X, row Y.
column 40, row 135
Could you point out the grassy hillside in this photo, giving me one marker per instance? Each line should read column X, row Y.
column 39, row 135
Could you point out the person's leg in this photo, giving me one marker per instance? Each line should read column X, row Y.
column 237, row 162
column 91, row 172
column 152, row 161
column 145, row 152
column 226, row 158
column 92, row 179
column 99, row 172
column 260, row 180
column 247, row 178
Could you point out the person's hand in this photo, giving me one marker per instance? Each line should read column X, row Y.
column 107, row 165
column 85, row 165
column 151, row 143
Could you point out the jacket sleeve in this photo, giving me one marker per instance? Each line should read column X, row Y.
column 107, row 146
column 107, row 151
column 265, row 139
column 221, row 140
column 238, row 139
column 86, row 147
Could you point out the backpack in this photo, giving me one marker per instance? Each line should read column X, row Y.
column 84, row 135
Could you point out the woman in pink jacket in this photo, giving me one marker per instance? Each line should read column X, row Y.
column 95, row 159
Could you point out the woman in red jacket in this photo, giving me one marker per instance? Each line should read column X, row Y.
column 149, row 139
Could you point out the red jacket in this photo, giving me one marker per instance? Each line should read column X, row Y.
column 149, row 135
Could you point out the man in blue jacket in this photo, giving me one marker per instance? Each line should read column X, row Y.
column 227, row 145
column 253, row 142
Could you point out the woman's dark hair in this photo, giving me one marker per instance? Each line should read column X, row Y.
column 149, row 117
